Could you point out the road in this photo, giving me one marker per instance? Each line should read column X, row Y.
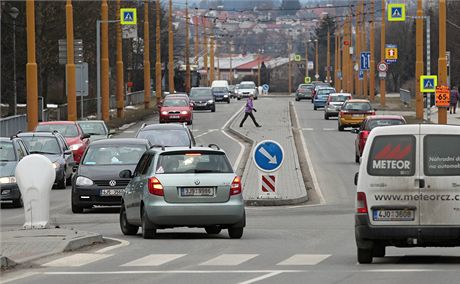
column 308, row 243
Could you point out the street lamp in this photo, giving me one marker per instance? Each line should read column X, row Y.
column 316, row 59
column 14, row 12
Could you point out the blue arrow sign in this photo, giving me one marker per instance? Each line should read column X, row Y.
column 265, row 87
column 365, row 60
column 360, row 75
column 268, row 155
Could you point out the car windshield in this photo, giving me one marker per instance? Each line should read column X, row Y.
column 166, row 137
column 246, row 86
column 203, row 93
column 7, row 153
column 175, row 103
column 219, row 89
column 305, row 87
column 383, row 122
column 338, row 99
column 42, row 144
column 114, row 155
column 325, row 91
column 358, row 106
column 323, row 97
column 93, row 128
column 66, row 130
column 193, row 162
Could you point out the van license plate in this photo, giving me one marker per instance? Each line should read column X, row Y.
column 111, row 192
column 197, row 191
column 393, row 215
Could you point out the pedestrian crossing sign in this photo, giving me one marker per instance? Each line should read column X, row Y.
column 428, row 83
column 396, row 12
column 128, row 16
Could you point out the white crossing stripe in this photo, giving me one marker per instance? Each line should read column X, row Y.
column 304, row 259
column 128, row 131
column 78, row 259
column 229, row 259
column 329, row 129
column 307, row 129
column 154, row 260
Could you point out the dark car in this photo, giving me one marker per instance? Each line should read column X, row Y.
column 221, row 94
column 12, row 150
column 96, row 181
column 167, row 135
column 202, row 99
column 304, row 91
column 53, row 146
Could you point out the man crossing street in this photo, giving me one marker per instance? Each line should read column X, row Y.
column 248, row 111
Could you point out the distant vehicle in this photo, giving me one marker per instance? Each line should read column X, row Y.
column 221, row 94
column 96, row 181
column 334, row 103
column 53, row 146
column 202, row 99
column 304, row 91
column 183, row 187
column 220, row 83
column 319, row 84
column 322, row 89
column 407, row 192
column 231, row 90
column 235, row 91
column 96, row 128
column 176, row 110
column 353, row 112
column 321, row 97
column 12, row 150
column 76, row 139
column 368, row 125
column 246, row 89
column 167, row 135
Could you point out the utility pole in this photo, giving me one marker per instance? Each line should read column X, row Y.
column 316, row 60
column 336, row 61
column 211, row 56
column 158, row 87
column 31, row 68
column 419, row 60
column 105, row 61
column 120, row 79
column 187, row 50
column 70, row 66
column 146, row 56
column 205, row 54
column 382, row 53
column 358, row 82
column 258, row 67
column 306, row 58
column 345, row 56
column 364, row 47
column 231, row 67
column 14, row 12
column 442, row 60
column 372, row 51
column 197, row 44
column 289, row 66
column 171, row 51
column 328, row 57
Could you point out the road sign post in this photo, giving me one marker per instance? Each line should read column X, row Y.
column 268, row 156
column 391, row 53
column 365, row 60
column 128, row 16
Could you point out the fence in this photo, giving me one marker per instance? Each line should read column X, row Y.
column 12, row 124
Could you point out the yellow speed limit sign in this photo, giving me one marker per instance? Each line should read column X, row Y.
column 442, row 97
column 307, row 80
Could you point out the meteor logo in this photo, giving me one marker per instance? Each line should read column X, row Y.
column 393, row 158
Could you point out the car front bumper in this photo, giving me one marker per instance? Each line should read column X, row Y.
column 91, row 195
column 203, row 106
column 182, row 118
column 10, row 191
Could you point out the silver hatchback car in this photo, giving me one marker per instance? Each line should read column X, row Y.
column 183, row 187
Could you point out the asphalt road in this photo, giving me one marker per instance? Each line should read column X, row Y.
column 309, row 243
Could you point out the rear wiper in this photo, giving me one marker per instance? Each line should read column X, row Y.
column 40, row 152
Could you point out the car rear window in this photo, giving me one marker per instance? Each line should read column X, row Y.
column 373, row 123
column 357, row 106
column 166, row 137
column 114, row 155
column 193, row 162
column 441, row 155
column 392, row 155
column 42, row 144
column 93, row 128
column 66, row 130
column 339, row 98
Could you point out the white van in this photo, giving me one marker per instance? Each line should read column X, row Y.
column 220, row 90
column 408, row 189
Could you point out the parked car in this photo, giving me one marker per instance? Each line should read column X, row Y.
column 407, row 191
column 353, row 112
column 96, row 181
column 12, row 150
column 334, row 103
column 183, row 187
column 368, row 125
column 202, row 99
column 96, row 128
column 76, row 139
column 221, row 94
column 53, row 146
column 167, row 135
column 304, row 91
column 247, row 88
column 176, row 110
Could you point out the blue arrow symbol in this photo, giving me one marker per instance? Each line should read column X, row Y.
column 271, row 159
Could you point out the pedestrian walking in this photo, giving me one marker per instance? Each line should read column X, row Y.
column 454, row 97
column 248, row 111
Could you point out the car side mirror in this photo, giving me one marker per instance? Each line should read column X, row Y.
column 355, row 130
column 125, row 174
column 68, row 152
column 356, row 178
column 85, row 136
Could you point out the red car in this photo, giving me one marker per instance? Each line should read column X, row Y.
column 78, row 141
column 370, row 123
column 176, row 110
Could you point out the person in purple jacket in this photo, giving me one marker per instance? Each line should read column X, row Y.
column 454, row 97
column 248, row 111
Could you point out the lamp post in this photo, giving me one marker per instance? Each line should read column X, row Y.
column 31, row 68
column 14, row 12
column 316, row 59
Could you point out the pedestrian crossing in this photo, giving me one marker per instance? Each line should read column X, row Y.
column 157, row 260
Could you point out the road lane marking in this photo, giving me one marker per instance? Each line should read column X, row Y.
column 229, row 259
column 307, row 129
column 304, row 259
column 78, row 259
column 329, row 129
column 129, row 131
column 154, row 260
column 242, row 147
column 263, row 277
column 122, row 243
column 6, row 279
column 207, row 132
column 169, row 272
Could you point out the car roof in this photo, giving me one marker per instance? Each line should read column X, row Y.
column 191, row 149
column 39, row 134
column 339, row 94
column 385, row 116
column 119, row 141
column 358, row 101
column 201, row 88
column 89, row 121
column 166, row 126
column 6, row 139
column 57, row 122
column 176, row 97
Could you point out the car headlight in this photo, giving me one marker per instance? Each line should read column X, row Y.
column 75, row 147
column 56, row 165
column 5, row 180
column 164, row 112
column 83, row 181
column 184, row 112
column 210, row 101
column 225, row 96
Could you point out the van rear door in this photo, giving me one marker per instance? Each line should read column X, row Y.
column 440, row 198
column 392, row 180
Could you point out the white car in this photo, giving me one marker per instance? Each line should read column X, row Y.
column 246, row 89
column 408, row 189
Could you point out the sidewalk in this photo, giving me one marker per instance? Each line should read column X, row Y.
column 276, row 125
column 23, row 246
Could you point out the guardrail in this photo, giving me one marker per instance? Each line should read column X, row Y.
column 12, row 124
column 405, row 96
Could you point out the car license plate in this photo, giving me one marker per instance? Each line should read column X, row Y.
column 174, row 116
column 394, row 215
column 197, row 191
column 111, row 192
column 358, row 115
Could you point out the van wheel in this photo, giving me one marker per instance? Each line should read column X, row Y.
column 148, row 230
column 365, row 255
column 379, row 251
column 126, row 228
column 212, row 230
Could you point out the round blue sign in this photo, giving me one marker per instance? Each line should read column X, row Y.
column 268, row 156
column 265, row 87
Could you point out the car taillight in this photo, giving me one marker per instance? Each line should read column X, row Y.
column 362, row 203
column 236, row 187
column 364, row 134
column 155, row 187
column 371, row 112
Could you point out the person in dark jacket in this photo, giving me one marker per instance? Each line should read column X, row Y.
column 248, row 111
column 454, row 97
